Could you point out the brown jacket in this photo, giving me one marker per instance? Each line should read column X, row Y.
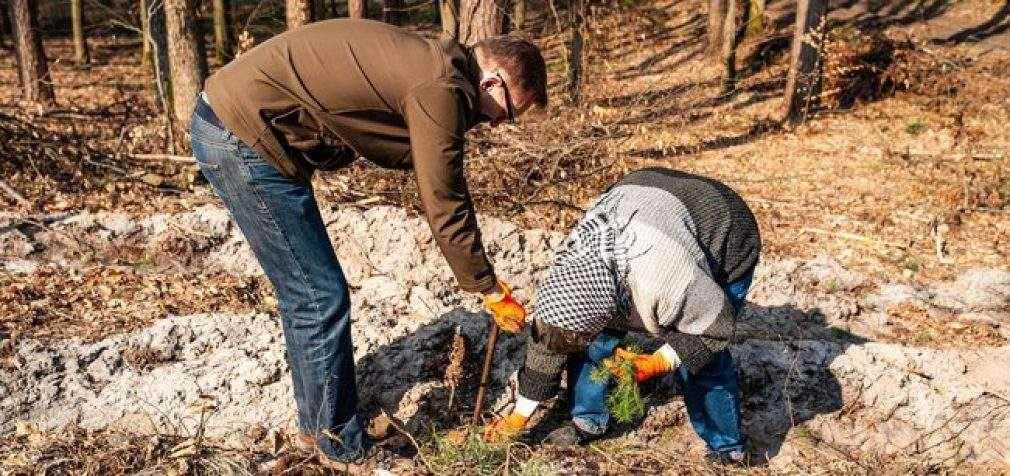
column 318, row 96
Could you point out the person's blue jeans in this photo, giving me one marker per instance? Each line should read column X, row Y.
column 712, row 395
column 281, row 221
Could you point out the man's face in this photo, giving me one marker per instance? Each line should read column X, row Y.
column 498, row 102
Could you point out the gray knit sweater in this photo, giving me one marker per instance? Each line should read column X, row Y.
column 651, row 254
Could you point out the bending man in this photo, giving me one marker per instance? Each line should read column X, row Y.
column 664, row 252
column 315, row 98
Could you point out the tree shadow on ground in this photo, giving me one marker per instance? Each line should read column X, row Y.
column 408, row 372
column 997, row 24
column 688, row 43
column 783, row 355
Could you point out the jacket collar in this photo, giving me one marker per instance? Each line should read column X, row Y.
column 464, row 69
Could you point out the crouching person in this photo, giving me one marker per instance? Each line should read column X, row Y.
column 661, row 251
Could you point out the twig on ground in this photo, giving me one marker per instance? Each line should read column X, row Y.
column 17, row 197
column 608, row 457
column 560, row 203
column 183, row 159
column 853, row 237
column 413, row 441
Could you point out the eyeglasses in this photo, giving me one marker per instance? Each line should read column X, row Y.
column 509, row 108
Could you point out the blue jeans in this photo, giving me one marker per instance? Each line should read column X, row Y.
column 280, row 220
column 712, row 395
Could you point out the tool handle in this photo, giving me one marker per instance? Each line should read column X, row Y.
column 492, row 340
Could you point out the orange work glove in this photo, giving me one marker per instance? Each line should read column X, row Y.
column 506, row 311
column 504, row 429
column 646, row 365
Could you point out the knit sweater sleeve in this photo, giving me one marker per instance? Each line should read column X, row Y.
column 547, row 351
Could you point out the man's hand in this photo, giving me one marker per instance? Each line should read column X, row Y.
column 504, row 429
column 646, row 366
column 506, row 311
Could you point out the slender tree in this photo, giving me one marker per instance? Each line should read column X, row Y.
column 157, row 43
column 82, row 55
column 357, row 9
column 145, row 33
column 449, row 16
column 803, row 79
column 223, row 35
column 3, row 25
column 576, row 17
column 716, row 16
column 479, row 19
column 518, row 14
column 37, row 87
column 729, row 46
column 298, row 13
column 186, row 57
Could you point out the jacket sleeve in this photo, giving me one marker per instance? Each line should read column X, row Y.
column 436, row 118
column 547, row 350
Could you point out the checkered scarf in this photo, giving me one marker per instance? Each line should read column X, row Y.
column 586, row 287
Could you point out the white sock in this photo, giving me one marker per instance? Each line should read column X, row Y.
column 525, row 406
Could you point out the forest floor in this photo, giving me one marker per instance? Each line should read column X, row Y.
column 906, row 189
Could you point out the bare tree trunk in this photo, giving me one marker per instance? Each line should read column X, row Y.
column 298, row 12
column 157, row 42
column 449, row 13
column 145, row 34
column 518, row 14
column 3, row 25
column 37, row 86
column 356, row 9
column 803, row 80
column 756, row 17
column 716, row 17
column 223, row 37
column 577, row 17
column 187, row 59
column 729, row 47
column 479, row 19
column 82, row 57
column 392, row 12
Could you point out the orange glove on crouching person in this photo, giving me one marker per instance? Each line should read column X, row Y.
column 506, row 311
column 648, row 366
column 505, row 428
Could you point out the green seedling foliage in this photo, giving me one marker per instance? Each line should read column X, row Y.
column 625, row 399
column 473, row 455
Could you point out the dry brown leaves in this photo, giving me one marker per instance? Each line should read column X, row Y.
column 918, row 324
column 99, row 301
column 867, row 65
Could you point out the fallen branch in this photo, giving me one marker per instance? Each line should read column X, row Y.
column 853, row 237
column 183, row 159
column 396, row 423
column 17, row 197
column 559, row 203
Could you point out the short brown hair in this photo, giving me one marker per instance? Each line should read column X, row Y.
column 523, row 63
